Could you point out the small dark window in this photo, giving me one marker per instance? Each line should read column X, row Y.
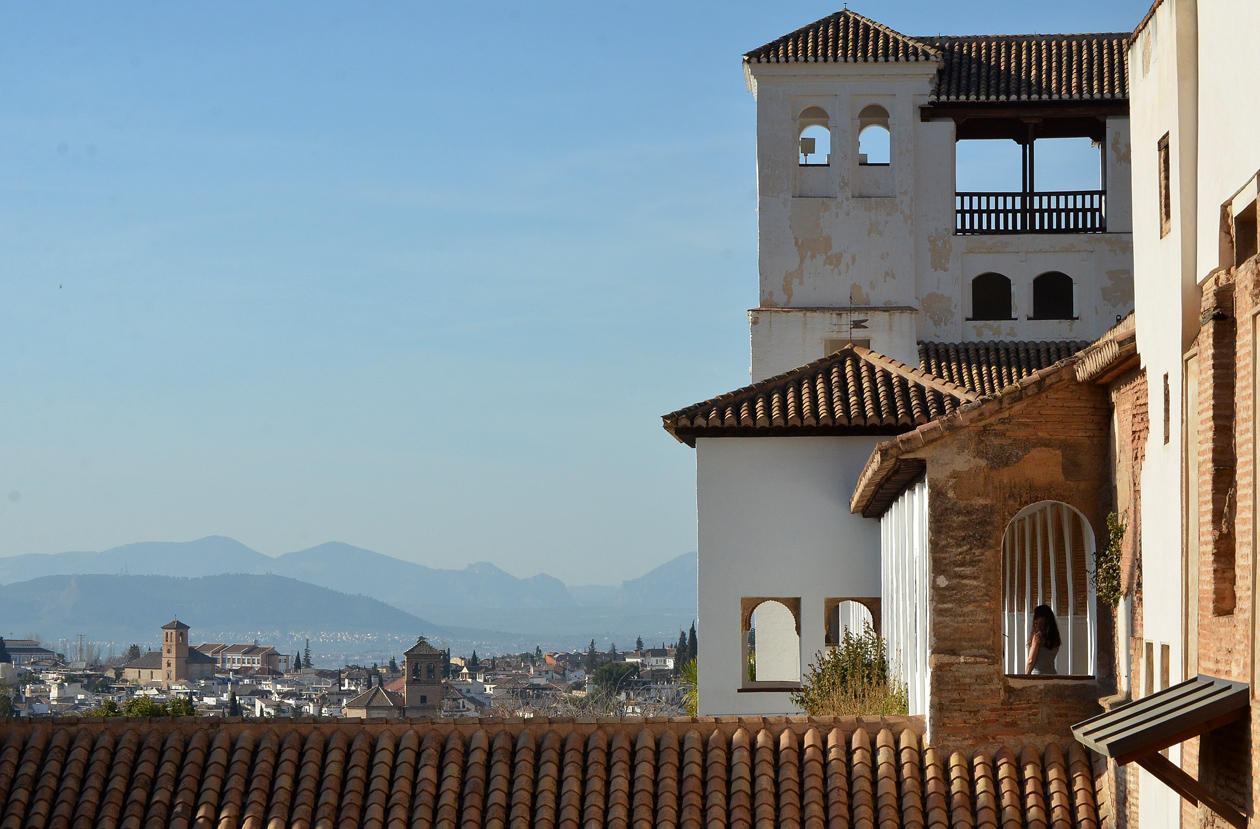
column 991, row 297
column 1165, row 188
column 1245, row 241
column 1052, row 296
column 430, row 671
column 423, row 699
column 1167, row 409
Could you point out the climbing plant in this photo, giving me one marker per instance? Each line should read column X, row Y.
column 1107, row 563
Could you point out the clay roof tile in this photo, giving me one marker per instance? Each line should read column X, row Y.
column 709, row 771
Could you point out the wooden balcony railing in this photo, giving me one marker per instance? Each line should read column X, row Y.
column 1064, row 211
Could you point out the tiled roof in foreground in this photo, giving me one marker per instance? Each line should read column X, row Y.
column 655, row 772
column 972, row 68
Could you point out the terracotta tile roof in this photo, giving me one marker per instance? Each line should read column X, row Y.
column 717, row 772
column 421, row 647
column 376, row 697
column 150, row 661
column 871, row 496
column 852, row 391
column 843, row 37
column 1114, row 351
column 999, row 68
column 972, row 68
column 859, row 391
column 988, row 367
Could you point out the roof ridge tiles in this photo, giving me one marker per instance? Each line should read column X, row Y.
column 917, row 375
column 837, row 43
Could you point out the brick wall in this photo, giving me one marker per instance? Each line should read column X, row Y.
column 1226, row 760
column 1052, row 446
column 1132, row 424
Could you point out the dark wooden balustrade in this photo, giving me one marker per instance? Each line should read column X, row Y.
column 1062, row 211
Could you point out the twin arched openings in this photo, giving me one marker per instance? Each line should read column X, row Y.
column 1051, row 297
column 813, row 130
column 772, row 634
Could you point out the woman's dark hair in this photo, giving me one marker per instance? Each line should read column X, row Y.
column 1043, row 623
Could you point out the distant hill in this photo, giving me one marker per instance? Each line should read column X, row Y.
column 203, row 557
column 125, row 608
column 415, row 587
column 671, row 585
column 470, row 604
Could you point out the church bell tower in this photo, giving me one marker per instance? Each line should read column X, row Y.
column 174, row 651
column 423, row 689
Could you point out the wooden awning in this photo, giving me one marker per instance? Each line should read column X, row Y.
column 1137, row 731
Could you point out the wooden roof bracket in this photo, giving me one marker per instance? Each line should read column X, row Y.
column 1175, row 778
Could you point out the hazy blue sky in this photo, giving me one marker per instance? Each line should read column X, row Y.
column 421, row 277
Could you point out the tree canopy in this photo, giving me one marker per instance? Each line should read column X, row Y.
column 612, row 677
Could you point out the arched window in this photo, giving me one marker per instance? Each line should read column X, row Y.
column 848, row 615
column 991, row 297
column 874, row 136
column 1052, row 297
column 813, row 128
column 1047, row 556
column 772, row 641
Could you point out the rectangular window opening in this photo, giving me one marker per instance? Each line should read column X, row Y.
column 1167, row 410
column 1165, row 188
column 1164, row 651
column 1148, row 669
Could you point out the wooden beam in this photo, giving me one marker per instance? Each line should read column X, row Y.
column 1183, row 784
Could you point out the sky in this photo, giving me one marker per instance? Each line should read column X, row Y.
column 420, row 277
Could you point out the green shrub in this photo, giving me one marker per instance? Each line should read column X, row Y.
column 1106, row 573
column 689, row 679
column 852, row 679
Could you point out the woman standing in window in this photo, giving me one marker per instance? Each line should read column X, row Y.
column 1043, row 645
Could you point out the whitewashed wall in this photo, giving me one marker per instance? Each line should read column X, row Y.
column 783, row 339
column 1229, row 120
column 774, row 522
column 1163, row 99
column 826, row 247
column 906, row 580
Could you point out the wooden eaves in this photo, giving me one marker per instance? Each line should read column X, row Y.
column 1137, row 731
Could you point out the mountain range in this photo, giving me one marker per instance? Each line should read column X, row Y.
column 333, row 589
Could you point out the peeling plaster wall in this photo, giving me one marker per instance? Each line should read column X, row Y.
column 840, row 250
column 774, row 522
column 783, row 339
